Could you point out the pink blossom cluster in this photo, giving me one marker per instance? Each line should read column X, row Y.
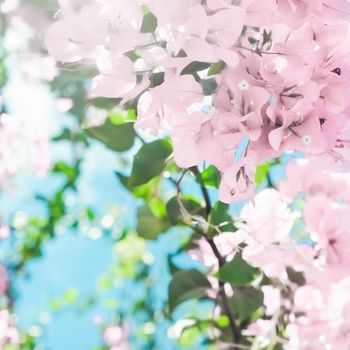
column 316, row 204
column 9, row 334
column 23, row 146
column 115, row 337
column 313, row 205
column 279, row 76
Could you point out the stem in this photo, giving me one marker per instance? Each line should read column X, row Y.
column 204, row 190
column 221, row 260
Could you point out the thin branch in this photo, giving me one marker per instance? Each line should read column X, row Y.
column 221, row 260
column 204, row 190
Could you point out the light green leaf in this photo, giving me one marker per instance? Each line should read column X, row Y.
column 149, row 23
column 149, row 226
column 216, row 68
column 210, row 177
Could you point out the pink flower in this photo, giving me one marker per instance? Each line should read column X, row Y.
column 117, row 77
column 238, row 183
column 115, row 338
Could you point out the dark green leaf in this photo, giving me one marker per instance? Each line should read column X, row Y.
column 194, row 67
column 157, row 79
column 296, row 277
column 245, row 301
column 104, row 102
column 220, row 220
column 238, row 272
column 117, row 137
column 176, row 213
column 149, row 162
column 187, row 285
column 209, row 86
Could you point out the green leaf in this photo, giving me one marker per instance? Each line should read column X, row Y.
column 238, row 272
column 104, row 102
column 175, row 212
column 149, row 23
column 216, row 68
column 245, row 301
column 194, row 67
column 296, row 277
column 220, row 220
column 157, row 79
column 146, row 191
column 149, row 162
column 261, row 172
column 210, row 177
column 149, row 226
column 117, row 137
column 223, row 321
column 209, row 86
column 187, row 285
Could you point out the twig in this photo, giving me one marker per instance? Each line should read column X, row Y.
column 221, row 260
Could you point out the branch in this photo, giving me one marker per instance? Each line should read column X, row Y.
column 204, row 190
column 221, row 260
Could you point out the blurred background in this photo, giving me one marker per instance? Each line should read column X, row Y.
column 74, row 275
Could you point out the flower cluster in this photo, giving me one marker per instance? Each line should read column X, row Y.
column 298, row 236
column 115, row 337
column 9, row 334
column 218, row 72
column 309, row 283
column 23, row 146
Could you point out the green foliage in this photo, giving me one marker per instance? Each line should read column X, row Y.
column 68, row 298
column 210, row 177
column 149, row 225
column 245, row 301
column 146, row 191
column 238, row 272
column 263, row 172
column 209, row 86
column 149, row 23
column 295, row 277
column 216, row 68
column 118, row 137
column 181, row 208
column 186, row 285
column 149, row 162
column 157, row 79
column 220, row 220
column 129, row 252
column 195, row 67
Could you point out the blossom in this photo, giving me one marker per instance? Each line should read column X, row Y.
column 237, row 182
column 283, row 81
column 23, row 146
column 115, row 337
